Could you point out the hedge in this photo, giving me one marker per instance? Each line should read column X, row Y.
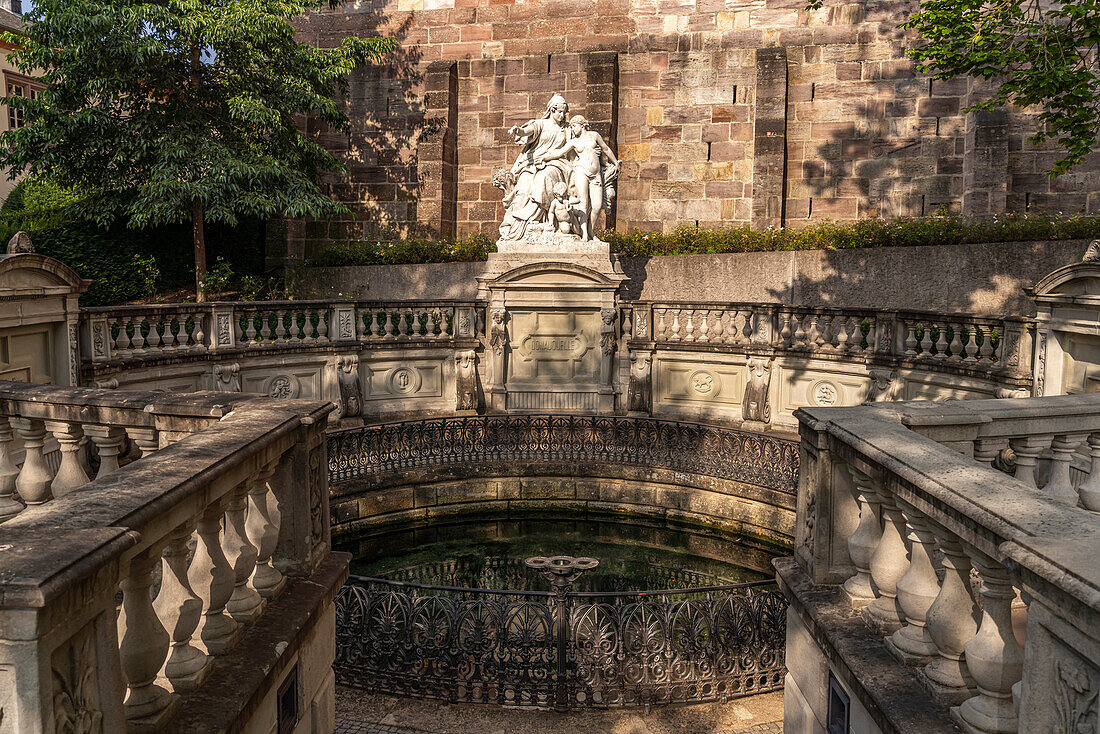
column 905, row 232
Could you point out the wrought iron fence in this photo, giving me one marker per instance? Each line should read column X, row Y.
column 696, row 448
column 563, row 651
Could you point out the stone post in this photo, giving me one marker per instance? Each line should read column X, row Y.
column 770, row 139
column 862, row 543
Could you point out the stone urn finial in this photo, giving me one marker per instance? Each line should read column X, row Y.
column 20, row 244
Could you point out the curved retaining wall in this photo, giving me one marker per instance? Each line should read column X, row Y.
column 726, row 481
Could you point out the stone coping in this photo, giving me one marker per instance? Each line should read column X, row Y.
column 889, row 691
column 1000, row 515
column 238, row 682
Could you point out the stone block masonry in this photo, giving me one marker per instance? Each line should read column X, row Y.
column 723, row 111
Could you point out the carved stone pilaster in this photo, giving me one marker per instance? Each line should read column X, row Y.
column 639, row 392
column 227, row 377
column 756, row 409
column 347, row 379
column 466, row 380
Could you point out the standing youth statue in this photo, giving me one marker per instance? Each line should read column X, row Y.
column 562, row 179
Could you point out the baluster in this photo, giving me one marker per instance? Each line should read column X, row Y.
column 183, row 338
column 689, row 326
column 956, row 347
column 146, row 439
column 704, row 328
column 200, row 331
column 402, row 323
column 212, row 579
column 108, row 441
column 122, row 343
column 168, row 339
column 729, row 326
column 280, row 330
column 294, row 331
column 971, row 344
column 826, row 332
column 33, row 483
column 142, row 642
column 240, row 319
column 926, row 342
column 137, row 341
column 262, row 528
column 855, row 337
column 744, row 334
column 1089, row 489
column 250, row 331
column 265, row 327
column 675, row 335
column 718, row 328
column 388, row 316
column 659, row 334
column 841, row 333
column 785, row 332
column 153, row 342
column 917, row 589
column 70, row 474
column 888, row 565
column 985, row 353
column 987, row 450
column 862, row 543
column 9, row 506
column 941, row 341
column 1027, row 450
column 799, row 332
column 951, row 621
column 435, row 319
column 993, row 656
column 911, row 338
column 322, row 324
column 309, row 329
column 813, row 338
column 362, row 324
column 180, row 609
column 244, row 603
column 1060, row 486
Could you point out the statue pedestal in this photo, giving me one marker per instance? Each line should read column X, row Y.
column 553, row 327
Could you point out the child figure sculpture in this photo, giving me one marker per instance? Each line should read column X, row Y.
column 563, row 217
column 591, row 178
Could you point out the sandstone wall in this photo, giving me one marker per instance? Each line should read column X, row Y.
column 725, row 111
column 986, row 278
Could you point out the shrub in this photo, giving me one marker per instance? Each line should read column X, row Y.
column 394, row 252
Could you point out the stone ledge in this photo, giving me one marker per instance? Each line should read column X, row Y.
column 890, row 692
column 240, row 679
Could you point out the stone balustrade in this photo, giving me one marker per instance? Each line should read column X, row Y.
column 972, row 343
column 208, row 514
column 984, row 584
column 155, row 331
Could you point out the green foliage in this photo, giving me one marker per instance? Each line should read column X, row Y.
column 152, row 106
column 471, row 249
column 1034, row 53
column 218, row 277
column 906, row 232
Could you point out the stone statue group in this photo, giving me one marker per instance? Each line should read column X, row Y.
column 562, row 179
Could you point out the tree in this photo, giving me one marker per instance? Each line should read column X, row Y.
column 1036, row 52
column 174, row 110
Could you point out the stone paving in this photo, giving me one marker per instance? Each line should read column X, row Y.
column 348, row 726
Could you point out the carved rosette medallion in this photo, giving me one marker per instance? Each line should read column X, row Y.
column 824, row 394
column 282, row 386
column 703, row 383
column 404, row 380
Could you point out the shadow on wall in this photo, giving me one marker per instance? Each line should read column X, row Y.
column 384, row 183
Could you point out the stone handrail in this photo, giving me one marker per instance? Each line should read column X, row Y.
column 242, row 482
column 153, row 331
column 975, row 343
column 880, row 504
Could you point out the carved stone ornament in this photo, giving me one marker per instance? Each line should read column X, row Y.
column 498, row 335
column 607, row 344
column 225, row 336
column 755, row 406
column 561, row 180
column 76, row 706
column 466, row 380
column 20, row 244
column 1076, row 691
column 1092, row 253
column 227, row 377
column 638, row 391
column 347, row 379
column 885, row 386
column 282, row 386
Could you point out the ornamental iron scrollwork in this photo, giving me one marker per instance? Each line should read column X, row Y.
column 693, row 448
column 583, row 650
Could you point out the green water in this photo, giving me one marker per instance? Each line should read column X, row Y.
column 633, row 556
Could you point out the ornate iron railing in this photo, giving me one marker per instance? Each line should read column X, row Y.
column 616, row 649
column 695, row 448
